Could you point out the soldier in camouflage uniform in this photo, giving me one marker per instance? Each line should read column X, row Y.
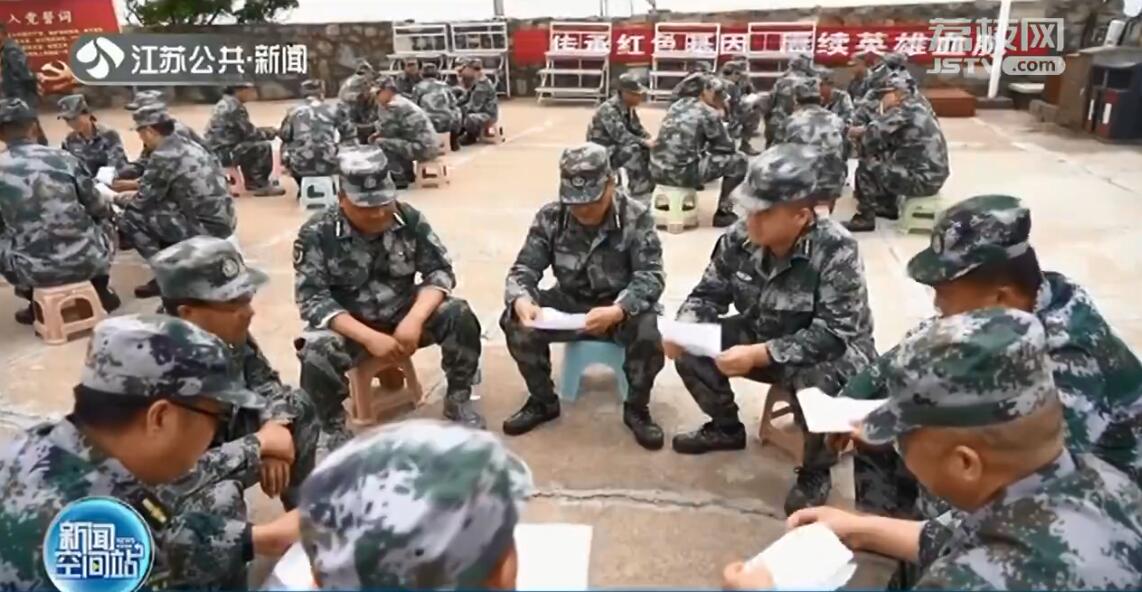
column 407, row 80
column 356, row 287
column 980, row 256
column 205, row 281
column 236, row 142
column 858, row 84
column 152, row 393
column 813, row 125
column 452, row 494
column 903, row 153
column 55, row 228
column 803, row 317
column 404, row 133
column 435, row 96
column 135, row 169
column 694, row 148
column 692, row 85
column 607, row 261
column 781, row 102
column 95, row 146
column 357, row 103
column 310, row 133
column 867, row 106
column 616, row 126
column 183, row 193
column 478, row 102
column 17, row 81
column 741, row 117
column 978, row 386
column 840, row 104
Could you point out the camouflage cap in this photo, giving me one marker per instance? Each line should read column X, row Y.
column 205, row 268
column 979, row 230
column 630, row 82
column 693, row 84
column 312, row 87
column 900, row 80
column 145, row 97
column 354, row 86
column 429, row 70
column 733, row 67
column 363, row 67
column 385, row 83
column 161, row 356
column 583, row 173
column 783, row 173
column 805, row 87
column 801, row 62
column 13, row 110
column 895, row 60
column 975, row 369
column 365, row 178
column 151, row 114
column 72, row 106
column 474, row 63
column 415, row 505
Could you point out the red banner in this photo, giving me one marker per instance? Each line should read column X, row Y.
column 46, row 30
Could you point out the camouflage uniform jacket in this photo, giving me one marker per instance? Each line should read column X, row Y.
column 183, row 177
column 16, row 79
column 908, row 136
column 103, row 148
column 437, row 100
column 690, row 129
column 407, row 129
column 841, row 104
column 230, row 125
column 619, row 262
column 781, row 103
column 54, row 464
column 51, row 217
column 180, row 129
column 615, row 124
column 406, row 85
column 339, row 269
column 811, row 306
column 1075, row 524
column 858, row 87
column 813, row 125
column 310, row 133
column 480, row 98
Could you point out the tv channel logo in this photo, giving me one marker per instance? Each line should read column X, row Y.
column 98, row 544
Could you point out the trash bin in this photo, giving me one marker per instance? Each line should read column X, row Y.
column 1114, row 107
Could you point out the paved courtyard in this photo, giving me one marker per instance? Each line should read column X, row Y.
column 659, row 519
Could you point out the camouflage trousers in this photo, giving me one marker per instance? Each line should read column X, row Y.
column 728, row 167
column 635, row 160
column 402, row 155
column 475, row 124
column 638, row 335
column 256, row 159
column 884, row 486
column 445, row 123
column 53, row 270
column 152, row 231
column 311, row 159
column 209, row 552
column 878, row 184
column 711, row 389
column 326, row 356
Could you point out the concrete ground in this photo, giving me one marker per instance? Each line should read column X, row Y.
column 660, row 519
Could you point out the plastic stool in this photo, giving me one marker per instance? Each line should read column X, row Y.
column 675, row 208
column 432, row 173
column 64, row 310
column 918, row 214
column 369, row 408
column 444, row 141
column 235, row 180
column 316, row 192
column 578, row 355
column 791, row 440
column 493, row 134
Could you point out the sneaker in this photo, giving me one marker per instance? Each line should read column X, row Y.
column 269, row 191
column 710, row 438
column 861, row 223
column 724, row 219
column 641, row 424
column 148, row 290
column 464, row 412
column 533, row 414
column 26, row 316
column 810, row 490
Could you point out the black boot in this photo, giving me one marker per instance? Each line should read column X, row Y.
column 748, row 148
column 533, row 414
column 887, row 209
column 463, row 412
column 862, row 221
column 148, row 290
column 454, row 141
column 810, row 490
column 26, row 316
column 467, row 139
column 724, row 219
column 107, row 295
column 641, row 424
column 709, row 438
column 725, row 209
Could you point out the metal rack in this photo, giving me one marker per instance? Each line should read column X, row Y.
column 671, row 61
column 578, row 62
column 770, row 45
column 426, row 42
column 487, row 40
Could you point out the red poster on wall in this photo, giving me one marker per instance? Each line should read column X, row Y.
column 46, row 30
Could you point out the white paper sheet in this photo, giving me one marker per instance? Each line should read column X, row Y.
column 105, row 175
column 807, row 558
column 826, row 415
column 700, row 339
column 551, row 557
column 106, row 191
column 557, row 320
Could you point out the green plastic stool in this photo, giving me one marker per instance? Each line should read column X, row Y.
column 578, row 355
column 675, row 208
column 918, row 214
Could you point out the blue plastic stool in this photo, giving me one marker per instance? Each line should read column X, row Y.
column 578, row 355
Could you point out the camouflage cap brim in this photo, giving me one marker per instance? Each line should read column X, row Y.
column 234, row 393
column 930, row 268
column 383, row 195
column 744, row 197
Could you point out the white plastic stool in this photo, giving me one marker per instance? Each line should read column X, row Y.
column 444, row 141
column 675, row 208
column 317, row 192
